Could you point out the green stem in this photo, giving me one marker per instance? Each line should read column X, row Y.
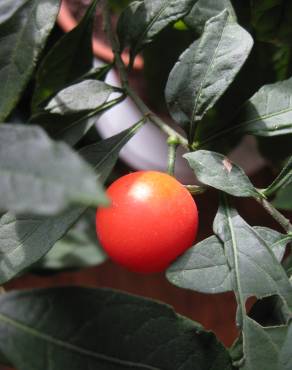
column 172, row 146
column 273, row 189
column 127, row 88
column 282, row 220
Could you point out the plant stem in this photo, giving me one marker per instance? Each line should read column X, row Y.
column 172, row 146
column 127, row 88
column 283, row 221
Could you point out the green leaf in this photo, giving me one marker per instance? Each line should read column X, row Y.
column 267, row 347
column 25, row 239
column 272, row 21
column 68, row 60
column 141, row 21
column 282, row 62
column 283, row 199
column 262, row 340
column 147, row 334
column 203, row 10
column 40, row 176
column 83, row 96
column 79, row 248
column 282, row 180
column 256, row 273
column 72, row 112
column 205, row 268
column 268, row 112
column 24, row 28
column 254, row 267
column 205, row 70
column 288, row 265
column 216, row 170
column 97, row 73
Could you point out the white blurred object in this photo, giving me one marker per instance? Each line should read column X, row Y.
column 147, row 150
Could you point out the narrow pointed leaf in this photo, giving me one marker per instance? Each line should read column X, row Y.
column 83, row 96
column 25, row 239
column 97, row 73
column 205, row 70
column 204, row 267
column 283, row 179
column 216, row 170
column 41, row 176
column 68, row 60
column 148, row 335
column 269, row 111
column 24, row 28
column 72, row 112
column 141, row 21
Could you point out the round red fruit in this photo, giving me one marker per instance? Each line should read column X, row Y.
column 151, row 221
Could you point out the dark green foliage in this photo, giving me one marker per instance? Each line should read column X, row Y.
column 98, row 333
column 233, row 78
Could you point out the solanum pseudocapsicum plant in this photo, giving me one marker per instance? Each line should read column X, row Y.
column 234, row 79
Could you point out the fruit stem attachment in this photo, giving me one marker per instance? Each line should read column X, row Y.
column 172, row 143
column 282, row 220
column 153, row 118
column 195, row 189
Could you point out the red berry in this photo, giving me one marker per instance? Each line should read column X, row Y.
column 151, row 221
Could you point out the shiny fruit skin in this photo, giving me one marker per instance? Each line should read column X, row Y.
column 151, row 221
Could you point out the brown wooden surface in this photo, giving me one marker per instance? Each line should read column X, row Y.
column 214, row 312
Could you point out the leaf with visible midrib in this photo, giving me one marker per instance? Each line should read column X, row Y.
column 141, row 21
column 256, row 272
column 205, row 268
column 40, row 176
column 254, row 266
column 25, row 239
column 72, row 112
column 23, row 32
column 107, row 330
column 216, row 170
column 268, row 112
column 69, row 59
column 205, row 70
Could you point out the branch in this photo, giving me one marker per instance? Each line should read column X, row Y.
column 172, row 146
column 125, row 83
column 283, row 221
